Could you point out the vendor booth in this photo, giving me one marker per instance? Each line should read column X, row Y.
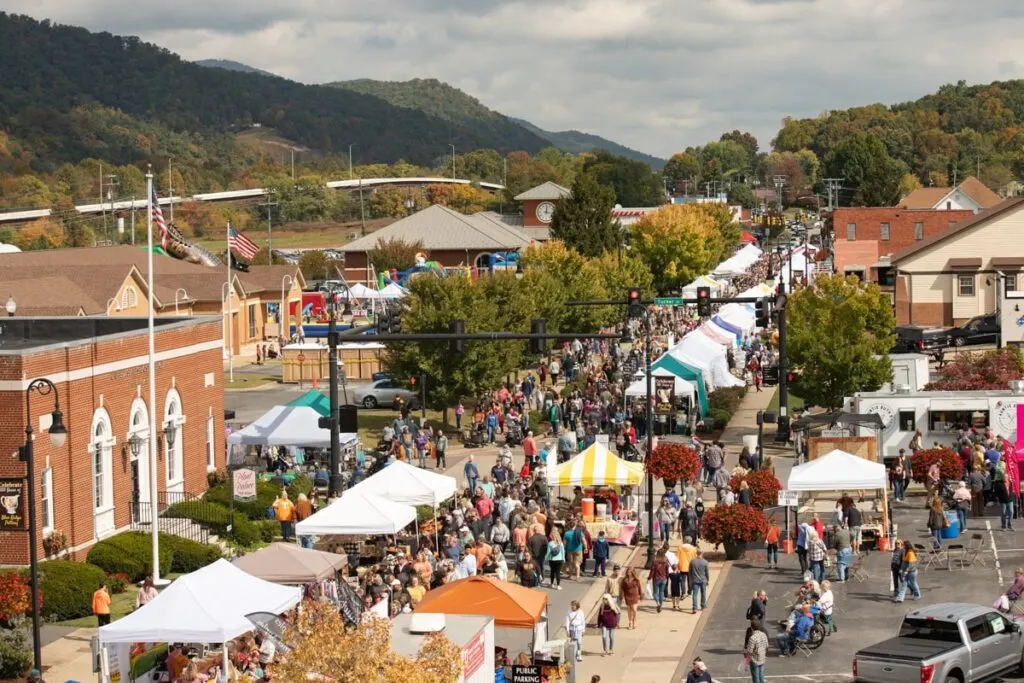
column 705, row 350
column 210, row 605
column 841, row 471
column 358, row 514
column 394, row 291
column 690, row 290
column 313, row 399
column 361, row 291
column 739, row 316
column 717, row 334
column 683, row 388
column 288, row 426
column 400, row 482
column 289, row 564
column 667, row 363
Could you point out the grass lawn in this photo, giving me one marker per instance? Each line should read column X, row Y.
column 248, row 381
column 372, row 423
column 795, row 402
column 121, row 605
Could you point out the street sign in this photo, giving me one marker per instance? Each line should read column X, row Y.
column 789, row 499
column 668, row 301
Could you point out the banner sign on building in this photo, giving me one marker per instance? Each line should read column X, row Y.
column 664, row 395
column 244, row 484
column 12, row 504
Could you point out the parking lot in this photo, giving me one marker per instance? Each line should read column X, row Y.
column 865, row 613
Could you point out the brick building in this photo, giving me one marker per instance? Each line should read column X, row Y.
column 99, row 365
column 866, row 236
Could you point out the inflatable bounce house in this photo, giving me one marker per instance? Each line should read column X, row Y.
column 403, row 277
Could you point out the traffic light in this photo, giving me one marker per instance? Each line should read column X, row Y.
column 634, row 305
column 764, row 313
column 456, row 327
column 704, row 302
column 412, row 380
column 538, row 346
column 324, row 423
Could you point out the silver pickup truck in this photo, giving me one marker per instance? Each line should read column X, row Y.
column 947, row 643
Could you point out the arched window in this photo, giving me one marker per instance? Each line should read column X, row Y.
column 174, row 418
column 129, row 298
column 101, row 450
column 99, row 466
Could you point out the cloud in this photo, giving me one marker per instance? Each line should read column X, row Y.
column 657, row 75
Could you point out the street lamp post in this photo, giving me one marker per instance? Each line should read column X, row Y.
column 285, row 316
column 782, row 430
column 637, row 310
column 332, row 360
column 58, row 436
column 184, row 296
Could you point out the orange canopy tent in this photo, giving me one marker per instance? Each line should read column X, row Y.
column 511, row 605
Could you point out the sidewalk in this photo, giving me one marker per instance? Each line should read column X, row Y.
column 70, row 657
column 656, row 649
column 744, row 421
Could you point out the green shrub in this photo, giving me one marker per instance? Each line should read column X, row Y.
column 266, row 493
column 189, row 555
column 215, row 518
column 130, row 553
column 269, row 529
column 721, row 416
column 726, row 399
column 67, row 589
column 14, row 661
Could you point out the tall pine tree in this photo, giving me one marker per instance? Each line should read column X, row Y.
column 583, row 220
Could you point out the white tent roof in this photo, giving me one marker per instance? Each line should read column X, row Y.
column 697, row 363
column 705, row 350
column 207, row 606
column 759, row 290
column 751, row 252
column 287, row 426
column 836, row 471
column 400, row 482
column 393, row 291
column 639, row 387
column 361, row 291
column 738, row 315
column 703, row 281
column 358, row 514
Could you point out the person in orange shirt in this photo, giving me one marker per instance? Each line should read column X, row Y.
column 284, row 509
column 101, row 604
column 482, row 550
column 771, row 540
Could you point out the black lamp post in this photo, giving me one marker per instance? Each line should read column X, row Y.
column 410, row 204
column 638, row 310
column 58, row 436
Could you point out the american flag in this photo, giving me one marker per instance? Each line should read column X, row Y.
column 158, row 216
column 242, row 244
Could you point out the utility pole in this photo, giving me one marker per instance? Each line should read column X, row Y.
column 293, row 165
column 453, row 161
column 106, row 181
column 350, row 176
column 779, row 182
column 362, row 207
column 833, row 185
column 270, row 231
column 782, row 431
column 133, row 220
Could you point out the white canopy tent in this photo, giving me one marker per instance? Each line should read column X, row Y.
column 393, row 291
column 361, row 291
column 837, row 471
column 358, row 514
column 696, row 363
column 207, row 606
column 690, row 290
column 757, row 291
column 682, row 386
column 705, row 350
column 287, row 426
column 718, row 334
column 738, row 315
column 400, row 482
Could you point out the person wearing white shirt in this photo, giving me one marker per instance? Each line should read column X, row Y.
column 826, row 603
column 575, row 626
column 467, row 566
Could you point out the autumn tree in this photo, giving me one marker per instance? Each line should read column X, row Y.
column 388, row 202
column 745, row 140
column 393, row 253
column 678, row 243
column 323, row 649
column 583, row 220
column 315, row 265
column 988, row 371
column 40, row 234
column 840, row 333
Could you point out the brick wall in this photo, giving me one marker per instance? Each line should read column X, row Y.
column 113, row 389
column 902, row 232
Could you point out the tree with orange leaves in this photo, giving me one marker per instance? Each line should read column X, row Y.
column 326, row 651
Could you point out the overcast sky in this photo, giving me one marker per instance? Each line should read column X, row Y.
column 656, row 75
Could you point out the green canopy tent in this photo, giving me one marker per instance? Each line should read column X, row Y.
column 687, row 372
column 315, row 400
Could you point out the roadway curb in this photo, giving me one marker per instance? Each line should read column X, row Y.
column 683, row 667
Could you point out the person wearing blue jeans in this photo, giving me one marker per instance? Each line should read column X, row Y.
column 659, row 578
column 699, row 580
column 1003, row 496
column 908, row 572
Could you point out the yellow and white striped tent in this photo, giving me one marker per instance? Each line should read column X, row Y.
column 596, row 466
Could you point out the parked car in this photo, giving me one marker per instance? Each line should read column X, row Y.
column 981, row 329
column 944, row 643
column 915, row 339
column 385, row 392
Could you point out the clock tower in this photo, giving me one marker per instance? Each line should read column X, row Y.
column 539, row 204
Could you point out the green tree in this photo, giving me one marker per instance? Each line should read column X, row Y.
column 678, row 243
column 840, row 332
column 305, row 199
column 682, row 168
column 388, row 202
column 744, row 139
column 432, row 303
column 725, row 159
column 393, row 253
column 315, row 265
column 865, row 166
column 634, row 182
column 77, row 231
column 583, row 219
column 553, row 264
column 742, row 194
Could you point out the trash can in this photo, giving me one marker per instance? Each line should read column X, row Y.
column 953, row 530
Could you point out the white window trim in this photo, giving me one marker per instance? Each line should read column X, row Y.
column 211, row 444
column 960, row 288
column 46, row 481
column 101, row 416
column 142, row 430
column 178, row 452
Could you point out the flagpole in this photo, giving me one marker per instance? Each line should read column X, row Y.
column 231, row 320
column 154, row 512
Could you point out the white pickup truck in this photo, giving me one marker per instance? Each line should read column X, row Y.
column 946, row 643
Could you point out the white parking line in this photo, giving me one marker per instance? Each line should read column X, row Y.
column 995, row 552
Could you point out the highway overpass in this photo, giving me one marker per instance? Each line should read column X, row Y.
column 239, row 195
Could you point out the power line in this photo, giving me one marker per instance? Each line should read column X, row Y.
column 834, row 185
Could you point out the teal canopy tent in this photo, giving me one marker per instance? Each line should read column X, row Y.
column 315, row 400
column 687, row 372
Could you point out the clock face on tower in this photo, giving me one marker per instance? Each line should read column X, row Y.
column 885, row 412
column 545, row 212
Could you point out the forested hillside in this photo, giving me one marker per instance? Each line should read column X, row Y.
column 62, row 67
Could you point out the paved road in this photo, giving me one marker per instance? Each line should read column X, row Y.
column 865, row 613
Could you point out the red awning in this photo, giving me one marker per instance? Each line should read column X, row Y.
column 747, row 238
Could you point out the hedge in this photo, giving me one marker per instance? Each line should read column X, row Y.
column 720, row 418
column 269, row 529
column 215, row 517
column 129, row 553
column 14, row 661
column 727, row 399
column 189, row 555
column 266, row 493
column 67, row 588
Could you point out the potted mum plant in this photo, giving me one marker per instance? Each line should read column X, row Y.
column 673, row 462
column 764, row 487
column 734, row 526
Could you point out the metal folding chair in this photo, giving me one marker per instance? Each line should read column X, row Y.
column 801, row 645
column 931, row 555
column 857, row 570
column 974, row 552
column 952, row 556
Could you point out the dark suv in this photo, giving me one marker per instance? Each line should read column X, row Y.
column 982, row 329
